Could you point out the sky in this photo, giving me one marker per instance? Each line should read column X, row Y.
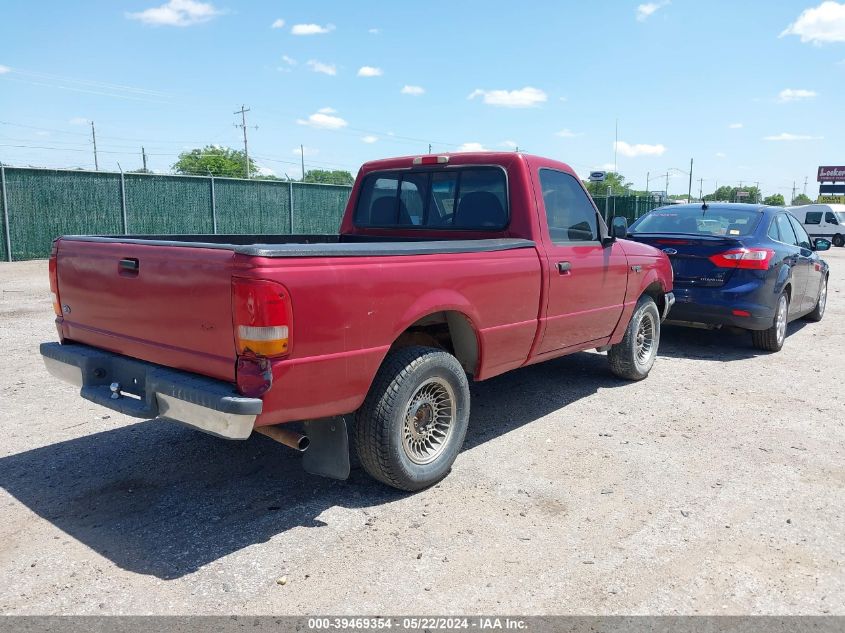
column 749, row 90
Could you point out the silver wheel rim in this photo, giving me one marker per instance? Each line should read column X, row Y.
column 780, row 323
column 429, row 420
column 823, row 297
column 644, row 341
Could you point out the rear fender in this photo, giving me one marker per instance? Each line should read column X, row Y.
column 784, row 278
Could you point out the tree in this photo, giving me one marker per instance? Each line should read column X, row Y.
column 728, row 194
column 214, row 160
column 326, row 177
column 775, row 200
column 801, row 200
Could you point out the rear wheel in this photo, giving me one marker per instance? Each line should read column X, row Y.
column 633, row 357
column 771, row 340
column 821, row 303
column 838, row 240
column 414, row 419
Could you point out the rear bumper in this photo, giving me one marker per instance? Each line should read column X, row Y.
column 146, row 390
column 716, row 306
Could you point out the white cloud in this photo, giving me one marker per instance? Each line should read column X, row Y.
column 819, row 25
column 324, row 119
column 720, row 155
column 306, row 151
column 509, row 144
column 790, row 94
column 4, row 69
column 786, row 136
column 177, row 13
column 567, row 133
column 639, row 149
column 320, row 67
column 311, row 29
column 415, row 91
column 369, row 71
column 645, row 11
column 735, row 126
column 290, row 61
column 278, row 24
column 79, row 120
column 472, row 147
column 369, row 138
column 265, row 171
column 374, row 31
column 527, row 97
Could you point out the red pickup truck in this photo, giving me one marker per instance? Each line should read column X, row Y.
column 446, row 267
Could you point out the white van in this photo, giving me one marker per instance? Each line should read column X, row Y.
column 822, row 220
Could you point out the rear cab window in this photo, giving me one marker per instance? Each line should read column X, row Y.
column 697, row 221
column 457, row 198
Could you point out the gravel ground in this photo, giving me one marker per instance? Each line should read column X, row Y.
column 715, row 486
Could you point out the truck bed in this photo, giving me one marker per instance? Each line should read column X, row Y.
column 314, row 245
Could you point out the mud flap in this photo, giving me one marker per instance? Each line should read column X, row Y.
column 328, row 451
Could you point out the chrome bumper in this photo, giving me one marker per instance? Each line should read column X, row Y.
column 146, row 390
column 668, row 302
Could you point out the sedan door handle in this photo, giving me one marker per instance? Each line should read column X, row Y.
column 564, row 267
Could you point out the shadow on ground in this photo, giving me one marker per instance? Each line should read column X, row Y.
column 716, row 345
column 160, row 499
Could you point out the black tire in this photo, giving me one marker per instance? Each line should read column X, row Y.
column 391, row 444
column 771, row 340
column 629, row 359
column 838, row 240
column 821, row 303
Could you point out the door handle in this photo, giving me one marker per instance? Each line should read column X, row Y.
column 564, row 268
column 129, row 266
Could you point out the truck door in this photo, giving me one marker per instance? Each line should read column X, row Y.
column 587, row 281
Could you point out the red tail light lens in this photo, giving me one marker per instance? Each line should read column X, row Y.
column 747, row 258
column 52, row 266
column 262, row 317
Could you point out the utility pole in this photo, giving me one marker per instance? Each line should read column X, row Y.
column 805, row 185
column 144, row 158
column 615, row 146
column 302, row 159
column 701, row 189
column 242, row 125
column 429, row 148
column 94, row 140
column 666, row 193
column 689, row 191
column 647, row 176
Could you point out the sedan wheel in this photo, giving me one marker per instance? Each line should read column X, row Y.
column 772, row 339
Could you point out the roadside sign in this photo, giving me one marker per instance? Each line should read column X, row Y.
column 831, row 200
column 831, row 174
column 598, row 176
column 742, row 194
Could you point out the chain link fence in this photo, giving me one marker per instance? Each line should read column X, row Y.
column 41, row 204
column 629, row 207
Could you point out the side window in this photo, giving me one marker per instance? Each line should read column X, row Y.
column 773, row 231
column 830, row 218
column 801, row 234
column 814, row 217
column 570, row 213
column 787, row 235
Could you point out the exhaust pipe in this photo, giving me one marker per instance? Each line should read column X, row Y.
column 296, row 441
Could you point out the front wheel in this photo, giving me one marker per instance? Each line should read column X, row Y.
column 771, row 340
column 633, row 357
column 821, row 303
column 414, row 418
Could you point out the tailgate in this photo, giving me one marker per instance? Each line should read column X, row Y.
column 690, row 257
column 169, row 305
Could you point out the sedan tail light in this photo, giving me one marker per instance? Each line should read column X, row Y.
column 746, row 258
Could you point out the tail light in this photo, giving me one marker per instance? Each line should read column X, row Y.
column 262, row 316
column 746, row 258
column 52, row 266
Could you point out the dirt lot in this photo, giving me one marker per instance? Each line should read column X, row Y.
column 715, row 486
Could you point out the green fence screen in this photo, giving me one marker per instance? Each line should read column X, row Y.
column 44, row 204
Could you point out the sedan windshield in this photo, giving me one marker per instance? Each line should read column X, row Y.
column 698, row 221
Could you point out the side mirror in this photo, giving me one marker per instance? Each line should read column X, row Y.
column 821, row 244
column 619, row 227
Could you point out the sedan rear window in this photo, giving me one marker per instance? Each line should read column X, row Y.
column 698, row 221
column 472, row 199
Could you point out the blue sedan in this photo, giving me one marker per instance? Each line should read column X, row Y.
column 739, row 265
